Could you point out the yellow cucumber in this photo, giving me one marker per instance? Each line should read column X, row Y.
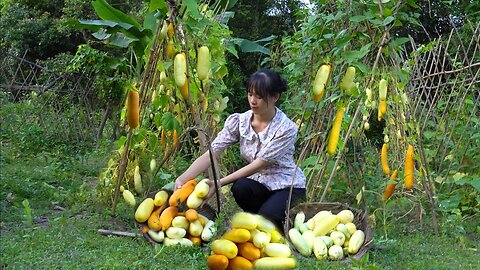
column 356, row 241
column 203, row 63
column 128, row 197
column 180, row 69
column 325, row 225
column 244, row 220
column 335, row 132
column 348, row 78
column 320, row 81
column 277, row 250
column 272, row 263
column 144, row 210
column 382, row 89
column 384, row 158
column 299, row 242
column 224, row 247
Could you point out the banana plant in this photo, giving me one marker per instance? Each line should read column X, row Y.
column 118, row 29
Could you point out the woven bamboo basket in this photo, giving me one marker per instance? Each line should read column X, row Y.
column 206, row 211
column 310, row 209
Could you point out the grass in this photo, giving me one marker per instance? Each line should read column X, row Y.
column 58, row 228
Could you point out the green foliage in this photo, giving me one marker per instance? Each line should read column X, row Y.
column 119, row 29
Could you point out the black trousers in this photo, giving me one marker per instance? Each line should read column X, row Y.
column 254, row 197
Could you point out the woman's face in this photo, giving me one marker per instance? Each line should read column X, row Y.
column 261, row 105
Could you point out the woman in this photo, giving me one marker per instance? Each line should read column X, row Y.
column 267, row 137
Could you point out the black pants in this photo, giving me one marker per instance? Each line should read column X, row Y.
column 254, row 197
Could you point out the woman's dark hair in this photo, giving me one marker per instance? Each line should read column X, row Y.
column 266, row 83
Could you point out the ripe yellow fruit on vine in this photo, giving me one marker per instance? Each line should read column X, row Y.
column 348, row 78
column 128, row 197
column 180, row 69
column 170, row 30
column 133, row 110
column 204, row 101
column 390, row 186
column 163, row 77
column 320, row 81
column 382, row 109
column 185, row 91
column 366, row 126
column 409, row 168
column 384, row 158
column 382, row 89
column 335, row 131
column 170, row 49
column 162, row 139
column 163, row 32
column 203, row 63
column 137, row 180
column 175, row 138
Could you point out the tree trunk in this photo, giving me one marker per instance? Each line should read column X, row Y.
column 104, row 121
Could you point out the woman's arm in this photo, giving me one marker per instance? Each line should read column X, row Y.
column 256, row 166
column 200, row 165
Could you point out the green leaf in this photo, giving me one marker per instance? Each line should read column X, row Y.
column 246, row 45
column 231, row 49
column 266, row 39
column 158, row 5
column 192, row 7
column 429, row 134
column 358, row 18
column 107, row 12
column 169, row 122
column 120, row 40
column 388, row 20
column 399, row 41
column 101, row 34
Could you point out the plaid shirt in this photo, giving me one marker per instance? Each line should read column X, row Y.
column 275, row 144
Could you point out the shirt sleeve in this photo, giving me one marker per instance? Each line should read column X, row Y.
column 229, row 135
column 282, row 143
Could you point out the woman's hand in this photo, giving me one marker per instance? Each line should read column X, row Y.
column 211, row 191
column 178, row 183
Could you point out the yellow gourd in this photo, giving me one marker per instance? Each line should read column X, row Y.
column 160, row 198
column 180, row 195
column 133, row 109
column 356, row 241
column 384, row 158
column 409, row 168
column 167, row 216
column 325, row 225
column 239, row 263
column 249, row 251
column 390, row 186
column 144, row 210
column 299, row 242
column 320, row 82
column 272, row 263
column 348, row 78
column 244, row 220
column 129, row 198
column 203, row 63
column 277, row 250
column 224, row 247
column 217, row 262
column 335, row 132
column 238, row 235
column 180, row 69
column 191, row 215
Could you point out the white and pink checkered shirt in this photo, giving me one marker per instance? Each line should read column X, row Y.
column 275, row 144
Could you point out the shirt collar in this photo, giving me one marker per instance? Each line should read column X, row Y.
column 247, row 131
